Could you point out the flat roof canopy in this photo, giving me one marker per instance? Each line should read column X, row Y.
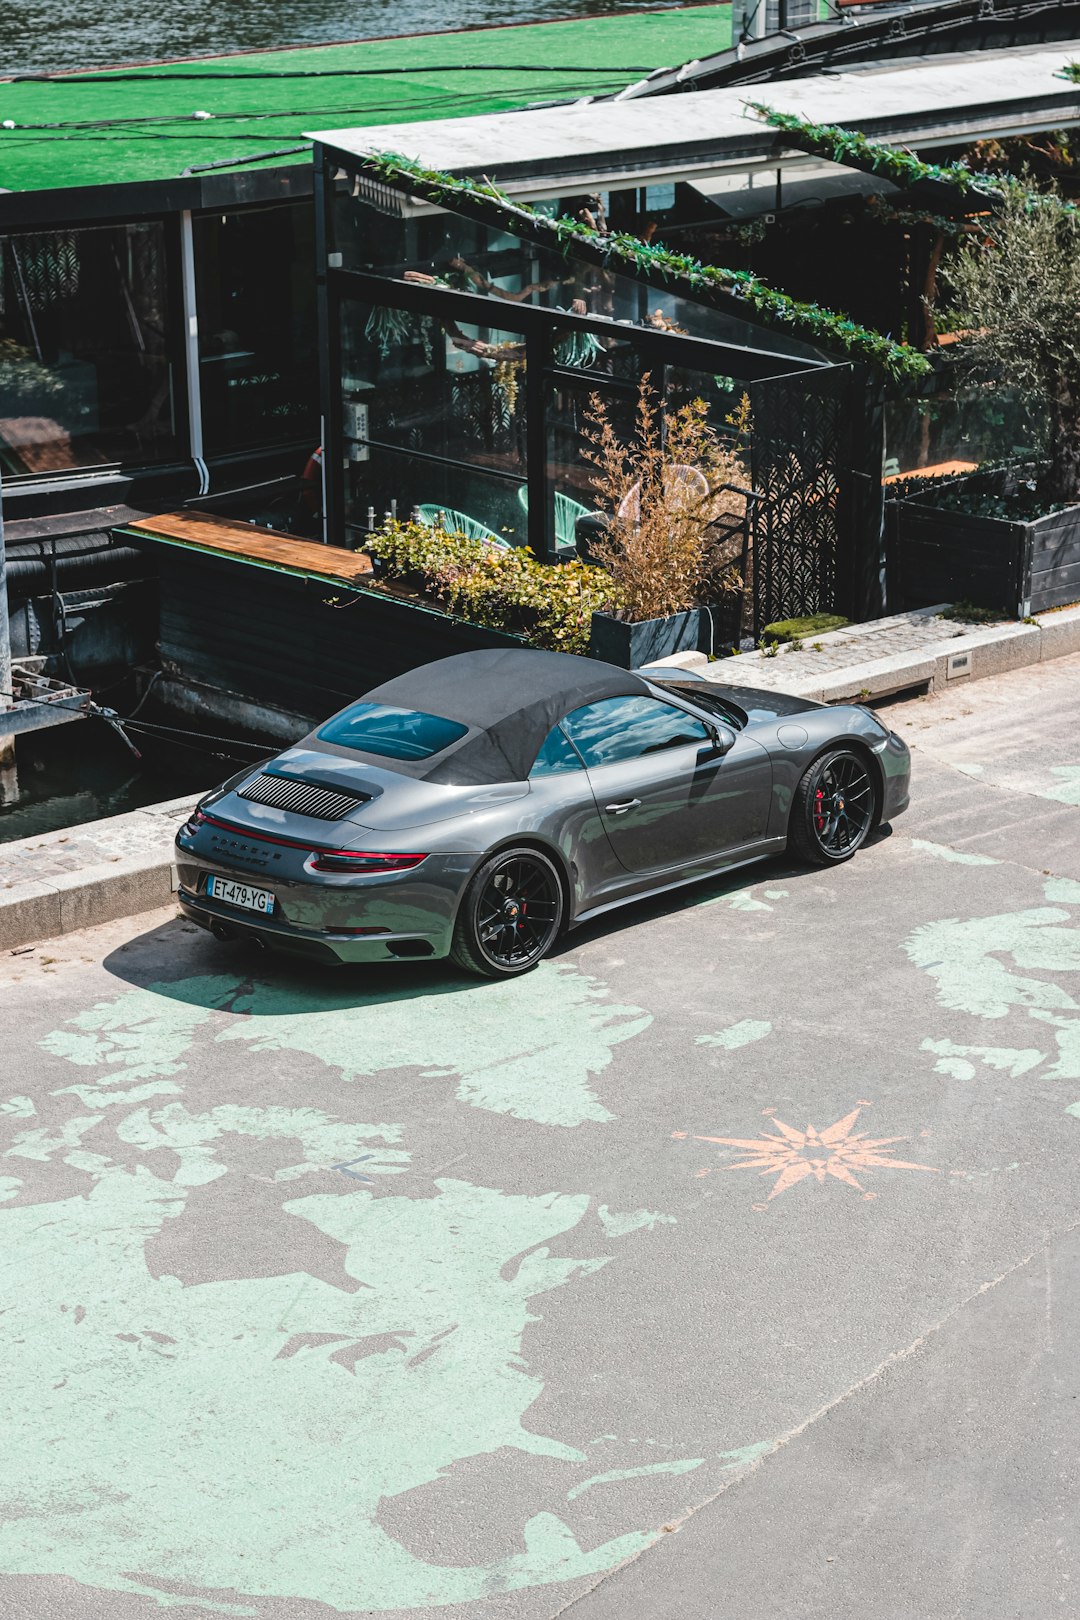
column 571, row 147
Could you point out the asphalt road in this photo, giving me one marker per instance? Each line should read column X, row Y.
column 727, row 1266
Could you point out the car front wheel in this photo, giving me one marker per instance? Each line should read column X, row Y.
column 833, row 808
column 510, row 915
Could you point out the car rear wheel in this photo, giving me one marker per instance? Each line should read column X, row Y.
column 833, row 808
column 510, row 916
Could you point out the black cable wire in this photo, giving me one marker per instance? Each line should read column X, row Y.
column 260, row 75
column 139, row 125
column 150, row 726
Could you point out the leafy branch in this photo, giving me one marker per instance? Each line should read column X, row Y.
column 972, row 192
column 733, row 290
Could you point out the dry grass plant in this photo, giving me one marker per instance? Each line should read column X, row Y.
column 668, row 546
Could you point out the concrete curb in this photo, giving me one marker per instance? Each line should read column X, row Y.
column 985, row 650
column 124, row 867
column 982, row 650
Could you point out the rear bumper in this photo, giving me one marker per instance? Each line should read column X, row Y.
column 333, row 949
column 405, row 917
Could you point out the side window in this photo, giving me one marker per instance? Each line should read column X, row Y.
column 628, row 727
column 556, row 755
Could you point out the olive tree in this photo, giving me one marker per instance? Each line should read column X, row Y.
column 1015, row 291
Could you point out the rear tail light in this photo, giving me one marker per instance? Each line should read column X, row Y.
column 360, row 860
column 356, row 861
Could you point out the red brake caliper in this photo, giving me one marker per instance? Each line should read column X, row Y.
column 819, row 814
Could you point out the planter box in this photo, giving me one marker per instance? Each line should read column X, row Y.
column 1020, row 568
column 703, row 629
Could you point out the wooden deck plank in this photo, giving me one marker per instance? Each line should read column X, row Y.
column 203, row 531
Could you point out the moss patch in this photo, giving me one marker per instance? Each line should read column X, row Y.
column 817, row 624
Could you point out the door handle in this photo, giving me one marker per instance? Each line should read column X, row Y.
column 621, row 808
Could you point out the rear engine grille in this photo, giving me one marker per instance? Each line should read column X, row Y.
column 305, row 798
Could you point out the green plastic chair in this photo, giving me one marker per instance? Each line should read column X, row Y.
column 567, row 513
column 453, row 522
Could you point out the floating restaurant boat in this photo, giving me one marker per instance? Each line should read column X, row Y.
column 158, row 336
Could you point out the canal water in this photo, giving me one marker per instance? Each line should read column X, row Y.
column 41, row 37
column 83, row 771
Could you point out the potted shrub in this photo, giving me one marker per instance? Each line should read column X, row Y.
column 501, row 589
column 671, row 502
column 1007, row 537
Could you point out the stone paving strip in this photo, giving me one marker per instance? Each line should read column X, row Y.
column 104, row 870
column 898, row 654
column 93, row 873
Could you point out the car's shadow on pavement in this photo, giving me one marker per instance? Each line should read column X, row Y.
column 704, row 891
column 181, row 961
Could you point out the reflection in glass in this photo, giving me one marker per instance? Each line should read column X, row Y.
column 433, row 413
column 957, row 428
column 442, row 249
column 557, row 755
column 628, row 727
column 450, row 495
column 258, row 371
column 86, row 372
column 378, row 728
column 434, row 385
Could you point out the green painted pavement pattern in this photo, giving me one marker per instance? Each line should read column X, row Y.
column 498, row 1045
column 247, row 1430
column 240, row 1380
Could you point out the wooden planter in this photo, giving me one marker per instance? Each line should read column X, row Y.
column 1018, row 568
column 701, row 629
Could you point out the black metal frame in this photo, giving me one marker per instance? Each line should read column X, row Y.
column 831, row 556
column 539, row 327
column 804, row 516
column 72, row 206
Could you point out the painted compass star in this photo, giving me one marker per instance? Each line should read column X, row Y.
column 792, row 1155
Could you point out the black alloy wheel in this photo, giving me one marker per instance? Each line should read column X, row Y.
column 510, row 916
column 833, row 808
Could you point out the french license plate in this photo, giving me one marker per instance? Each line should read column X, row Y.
column 240, row 894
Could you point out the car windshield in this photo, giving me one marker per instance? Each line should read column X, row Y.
column 376, row 728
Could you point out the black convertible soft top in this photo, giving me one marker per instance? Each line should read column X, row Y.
column 509, row 698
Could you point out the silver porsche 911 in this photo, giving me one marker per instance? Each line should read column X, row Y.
column 476, row 807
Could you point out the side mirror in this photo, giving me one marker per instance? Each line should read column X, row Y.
column 723, row 738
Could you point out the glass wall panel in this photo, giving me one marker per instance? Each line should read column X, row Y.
column 569, row 412
column 952, row 432
column 568, row 422
column 433, row 384
column 453, row 495
column 255, row 282
column 89, row 334
column 443, row 249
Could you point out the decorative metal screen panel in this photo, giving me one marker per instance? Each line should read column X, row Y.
column 304, row 798
column 800, row 461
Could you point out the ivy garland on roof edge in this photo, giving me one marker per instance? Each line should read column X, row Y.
column 652, row 260
column 904, row 169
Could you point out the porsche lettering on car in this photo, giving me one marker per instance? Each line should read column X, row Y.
column 479, row 806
